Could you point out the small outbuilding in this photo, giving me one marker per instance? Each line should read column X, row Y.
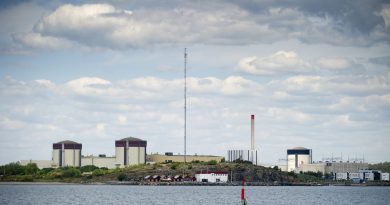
column 212, row 176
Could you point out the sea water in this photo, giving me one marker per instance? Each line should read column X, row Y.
column 191, row 195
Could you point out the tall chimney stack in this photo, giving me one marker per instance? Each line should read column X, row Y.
column 252, row 132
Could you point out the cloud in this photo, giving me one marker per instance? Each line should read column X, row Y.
column 384, row 60
column 331, row 85
column 278, row 63
column 215, row 23
column 355, row 23
column 297, row 109
column 334, row 63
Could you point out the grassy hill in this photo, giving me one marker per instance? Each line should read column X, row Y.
column 237, row 171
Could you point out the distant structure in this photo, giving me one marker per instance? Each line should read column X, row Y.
column 66, row 153
column 185, row 105
column 170, row 157
column 245, row 155
column 298, row 156
column 130, row 151
column 211, row 176
column 299, row 159
column 332, row 167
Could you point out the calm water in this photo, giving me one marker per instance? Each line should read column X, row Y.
column 106, row 194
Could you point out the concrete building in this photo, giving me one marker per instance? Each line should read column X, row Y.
column 100, row 161
column 385, row 177
column 363, row 175
column 212, row 176
column 66, row 153
column 333, row 167
column 40, row 163
column 298, row 156
column 130, row 151
column 245, row 155
column 169, row 157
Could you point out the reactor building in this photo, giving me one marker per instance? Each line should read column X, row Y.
column 298, row 156
column 128, row 151
column 245, row 155
column 66, row 153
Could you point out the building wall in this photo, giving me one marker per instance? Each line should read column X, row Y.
column 108, row 162
column 72, row 157
column 385, row 177
column 247, row 155
column 290, row 163
column 336, row 167
column 296, row 161
column 56, row 157
column 134, row 155
column 40, row 163
column 213, row 178
column 158, row 158
column 119, row 155
column 333, row 167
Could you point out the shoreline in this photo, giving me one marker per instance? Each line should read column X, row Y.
column 116, row 183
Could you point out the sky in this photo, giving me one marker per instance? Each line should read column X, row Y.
column 314, row 73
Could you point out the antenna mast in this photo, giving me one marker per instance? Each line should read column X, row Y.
column 185, row 105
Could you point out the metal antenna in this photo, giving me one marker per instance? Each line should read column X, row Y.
column 185, row 105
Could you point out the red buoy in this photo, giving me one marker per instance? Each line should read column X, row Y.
column 243, row 200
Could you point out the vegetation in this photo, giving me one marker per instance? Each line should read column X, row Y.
column 89, row 174
column 17, row 169
column 384, row 167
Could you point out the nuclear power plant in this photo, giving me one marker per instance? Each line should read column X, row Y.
column 128, row 151
column 66, row 153
column 298, row 156
column 246, row 155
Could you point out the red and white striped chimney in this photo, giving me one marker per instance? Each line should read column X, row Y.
column 252, row 132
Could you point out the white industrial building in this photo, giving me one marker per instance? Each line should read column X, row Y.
column 245, row 155
column 298, row 156
column 129, row 151
column 100, row 161
column 332, row 167
column 212, row 176
column 66, row 153
column 363, row 175
column 385, row 177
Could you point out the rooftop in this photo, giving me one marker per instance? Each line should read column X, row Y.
column 67, row 142
column 299, row 148
column 131, row 139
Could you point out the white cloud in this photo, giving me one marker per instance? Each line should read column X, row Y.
column 278, row 63
column 37, row 40
column 334, row 63
column 328, row 85
column 90, row 86
column 106, row 26
column 385, row 13
column 158, row 117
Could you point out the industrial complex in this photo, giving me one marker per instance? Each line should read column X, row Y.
column 245, row 155
column 132, row 151
column 128, row 151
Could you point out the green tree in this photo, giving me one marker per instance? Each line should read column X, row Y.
column 31, row 168
column 70, row 172
column 88, row 168
column 121, row 177
column 98, row 172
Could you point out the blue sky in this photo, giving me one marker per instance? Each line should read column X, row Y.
column 315, row 74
